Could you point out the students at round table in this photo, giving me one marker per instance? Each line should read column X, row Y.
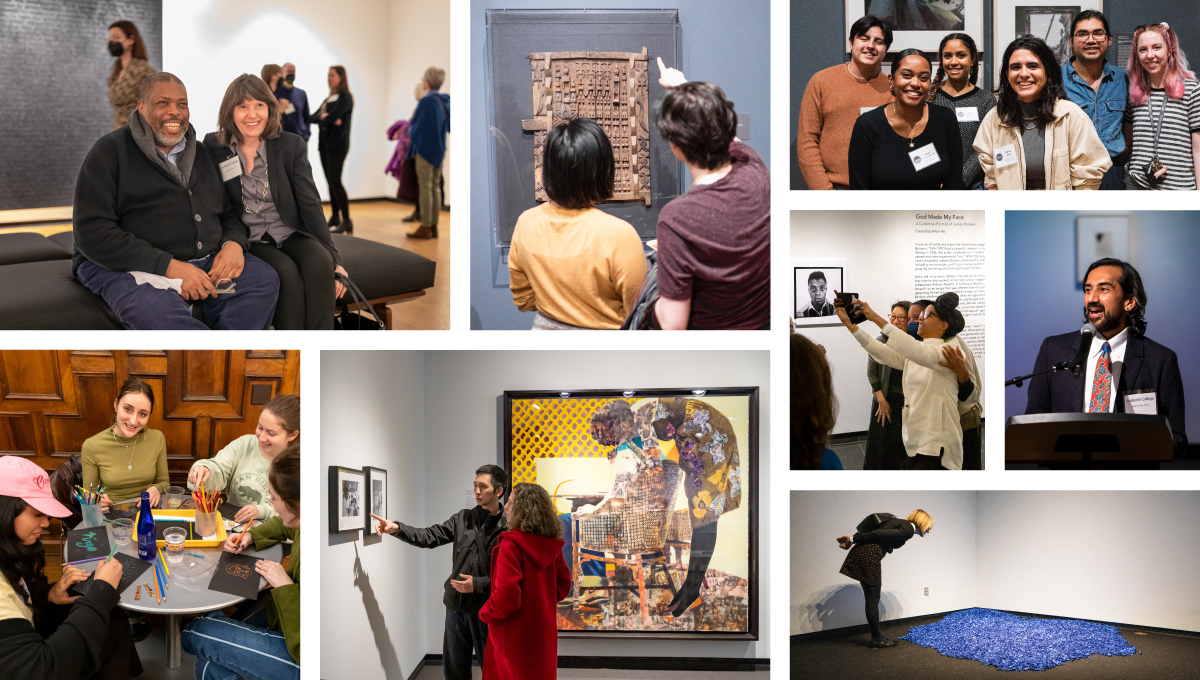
column 240, row 469
column 127, row 458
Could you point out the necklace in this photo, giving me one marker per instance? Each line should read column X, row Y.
column 138, row 437
column 1026, row 120
column 912, row 141
column 262, row 199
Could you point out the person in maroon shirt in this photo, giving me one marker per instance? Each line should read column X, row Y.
column 714, row 242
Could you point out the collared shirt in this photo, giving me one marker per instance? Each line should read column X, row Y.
column 256, row 193
column 173, row 155
column 1105, row 106
column 1116, row 362
column 811, row 310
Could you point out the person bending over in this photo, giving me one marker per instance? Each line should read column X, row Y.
column 878, row 535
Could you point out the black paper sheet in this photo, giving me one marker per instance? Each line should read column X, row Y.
column 235, row 575
column 87, row 544
column 133, row 568
column 161, row 525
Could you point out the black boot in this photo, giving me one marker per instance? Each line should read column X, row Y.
column 335, row 220
column 414, row 217
column 343, row 228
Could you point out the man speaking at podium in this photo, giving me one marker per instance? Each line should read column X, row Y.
column 1123, row 370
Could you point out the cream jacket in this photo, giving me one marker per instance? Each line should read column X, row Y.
column 1075, row 156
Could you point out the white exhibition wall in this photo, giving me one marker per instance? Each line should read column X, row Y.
column 1115, row 556
column 878, row 249
column 385, row 45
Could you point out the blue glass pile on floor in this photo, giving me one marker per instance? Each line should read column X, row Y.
column 1016, row 643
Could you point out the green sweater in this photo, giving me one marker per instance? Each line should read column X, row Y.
column 107, row 464
column 284, row 614
column 241, row 471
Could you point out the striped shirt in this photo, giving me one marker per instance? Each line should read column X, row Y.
column 1180, row 120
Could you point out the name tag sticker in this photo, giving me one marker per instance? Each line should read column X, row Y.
column 1144, row 404
column 924, row 157
column 230, row 168
column 864, row 109
column 967, row 114
column 1006, row 156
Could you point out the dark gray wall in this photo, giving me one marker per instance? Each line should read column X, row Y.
column 54, row 79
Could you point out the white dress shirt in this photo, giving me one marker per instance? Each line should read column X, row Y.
column 1116, row 358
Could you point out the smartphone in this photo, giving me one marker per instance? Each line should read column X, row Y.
column 856, row 315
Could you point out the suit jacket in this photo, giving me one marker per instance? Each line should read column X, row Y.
column 295, row 122
column 333, row 137
column 293, row 190
column 890, row 535
column 1148, row 366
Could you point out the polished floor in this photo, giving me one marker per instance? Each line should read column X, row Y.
column 435, row 673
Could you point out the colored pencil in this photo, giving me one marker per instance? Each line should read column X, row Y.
column 111, row 552
column 239, row 539
column 158, row 581
column 164, row 561
column 90, row 559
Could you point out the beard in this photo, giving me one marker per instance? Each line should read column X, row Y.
column 161, row 139
column 1106, row 322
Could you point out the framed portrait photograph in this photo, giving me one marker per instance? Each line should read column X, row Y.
column 813, row 286
column 347, row 499
column 1097, row 237
column 376, row 490
column 656, row 491
column 921, row 24
column 1046, row 20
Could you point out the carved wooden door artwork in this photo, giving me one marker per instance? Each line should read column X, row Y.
column 52, row 400
column 611, row 88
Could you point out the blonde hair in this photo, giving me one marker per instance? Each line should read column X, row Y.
column 530, row 509
column 921, row 519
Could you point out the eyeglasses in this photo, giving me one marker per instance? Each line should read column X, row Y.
column 1098, row 34
column 894, row 317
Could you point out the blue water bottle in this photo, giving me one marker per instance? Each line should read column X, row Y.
column 147, row 541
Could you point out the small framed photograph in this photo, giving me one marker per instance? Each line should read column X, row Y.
column 1098, row 237
column 376, row 489
column 1046, row 20
column 347, row 499
column 921, row 25
column 813, row 286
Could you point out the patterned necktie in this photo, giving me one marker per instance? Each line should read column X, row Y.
column 1101, row 382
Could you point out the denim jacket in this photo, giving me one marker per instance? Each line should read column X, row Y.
column 1104, row 107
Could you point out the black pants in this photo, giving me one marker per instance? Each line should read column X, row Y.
column 332, row 163
column 704, row 540
column 872, row 595
column 972, row 449
column 305, row 271
column 921, row 462
column 464, row 633
column 119, row 659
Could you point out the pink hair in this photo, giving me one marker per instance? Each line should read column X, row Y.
column 1176, row 71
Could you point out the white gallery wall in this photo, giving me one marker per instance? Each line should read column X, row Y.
column 943, row 561
column 878, row 249
column 385, row 46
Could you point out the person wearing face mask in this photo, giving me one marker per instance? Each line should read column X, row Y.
column 295, row 114
column 128, row 71
column 155, row 234
column 240, row 469
column 267, row 175
column 954, row 88
column 835, row 97
column 908, row 144
column 1100, row 89
column 127, row 457
column 885, row 437
column 1163, row 118
column 1036, row 137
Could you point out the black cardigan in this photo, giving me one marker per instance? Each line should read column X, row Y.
column 72, row 651
column 130, row 215
column 333, row 137
column 292, row 188
column 890, row 535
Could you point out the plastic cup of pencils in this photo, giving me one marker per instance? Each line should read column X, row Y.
column 206, row 523
column 175, row 496
column 93, row 516
column 174, row 538
column 122, row 529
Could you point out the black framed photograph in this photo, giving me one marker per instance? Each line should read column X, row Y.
column 376, row 494
column 657, row 494
column 813, row 286
column 1046, row 20
column 347, row 499
column 921, row 24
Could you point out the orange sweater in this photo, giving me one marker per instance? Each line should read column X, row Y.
column 581, row 267
column 832, row 102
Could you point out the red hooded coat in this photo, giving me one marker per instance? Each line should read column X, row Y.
column 529, row 577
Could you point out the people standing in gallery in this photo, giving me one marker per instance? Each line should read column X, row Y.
column 333, row 143
column 295, row 114
column 46, row 633
column 529, row 577
column 127, row 457
column 885, row 438
column 714, row 241
column 427, row 147
column 474, row 533
column 955, row 89
column 813, row 406
column 1122, row 361
column 1163, row 118
column 876, row 537
column 269, row 640
column 909, row 144
column 279, row 204
column 1100, row 89
column 576, row 266
column 240, row 469
column 835, row 97
column 1036, row 138
column 128, row 71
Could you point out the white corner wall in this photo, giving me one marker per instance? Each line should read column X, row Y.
column 420, row 31
column 372, row 592
column 944, row 560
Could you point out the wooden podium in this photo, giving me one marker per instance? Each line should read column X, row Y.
column 1087, row 437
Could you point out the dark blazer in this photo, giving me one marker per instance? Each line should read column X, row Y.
column 293, row 190
column 890, row 535
column 1148, row 366
column 333, row 137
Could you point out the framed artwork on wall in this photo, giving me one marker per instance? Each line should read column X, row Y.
column 1049, row 21
column 657, row 494
column 347, row 500
column 813, row 286
column 921, row 24
column 376, row 490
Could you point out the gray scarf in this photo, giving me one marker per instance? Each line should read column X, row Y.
column 144, row 138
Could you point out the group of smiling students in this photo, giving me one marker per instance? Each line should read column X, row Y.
column 1083, row 125
column 48, row 634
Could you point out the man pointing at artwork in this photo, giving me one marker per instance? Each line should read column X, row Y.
column 473, row 532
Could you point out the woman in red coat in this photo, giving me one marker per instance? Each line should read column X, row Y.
column 529, row 577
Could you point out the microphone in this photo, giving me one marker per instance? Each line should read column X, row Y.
column 1079, row 363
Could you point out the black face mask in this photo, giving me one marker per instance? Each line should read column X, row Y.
column 115, row 48
column 291, row 78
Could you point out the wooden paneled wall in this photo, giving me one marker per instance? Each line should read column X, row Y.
column 52, row 400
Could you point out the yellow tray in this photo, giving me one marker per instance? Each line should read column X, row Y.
column 221, row 535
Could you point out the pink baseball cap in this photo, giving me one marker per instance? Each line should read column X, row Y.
column 23, row 479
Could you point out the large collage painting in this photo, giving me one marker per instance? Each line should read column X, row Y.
column 656, row 492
